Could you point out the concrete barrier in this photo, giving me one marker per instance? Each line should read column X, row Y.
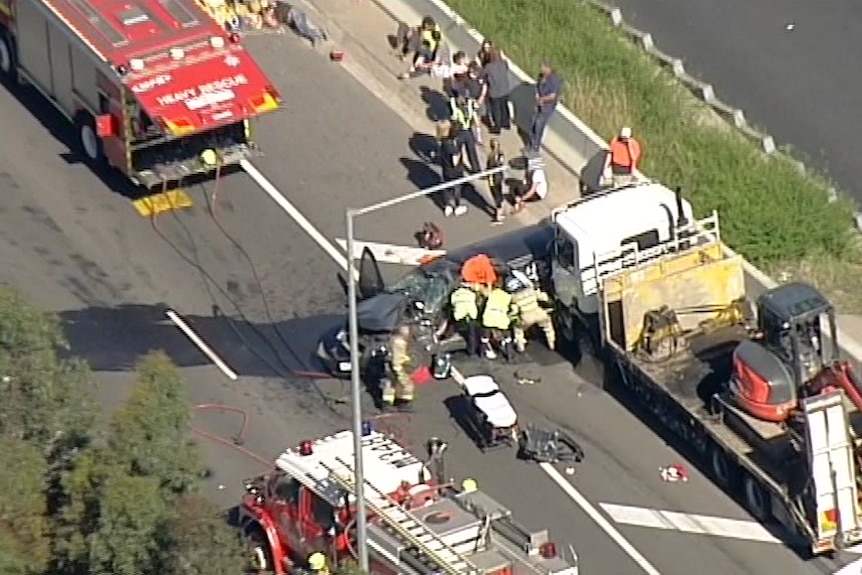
column 568, row 138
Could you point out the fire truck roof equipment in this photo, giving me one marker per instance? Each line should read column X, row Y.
column 386, row 463
column 183, row 68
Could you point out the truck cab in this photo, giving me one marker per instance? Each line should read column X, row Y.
column 606, row 232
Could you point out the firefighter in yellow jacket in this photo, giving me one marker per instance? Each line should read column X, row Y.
column 397, row 390
column 497, row 320
column 528, row 311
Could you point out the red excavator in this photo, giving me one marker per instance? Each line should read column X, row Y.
column 793, row 355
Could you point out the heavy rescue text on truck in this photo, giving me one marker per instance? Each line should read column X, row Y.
column 155, row 88
column 419, row 524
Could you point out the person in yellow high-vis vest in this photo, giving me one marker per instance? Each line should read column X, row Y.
column 465, row 312
column 464, row 118
column 497, row 319
column 423, row 40
column 528, row 311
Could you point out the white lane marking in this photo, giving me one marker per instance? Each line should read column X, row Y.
column 560, row 480
column 854, row 568
column 295, row 214
column 201, row 345
column 689, row 523
column 391, row 253
column 597, row 517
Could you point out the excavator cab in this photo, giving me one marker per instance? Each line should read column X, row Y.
column 789, row 353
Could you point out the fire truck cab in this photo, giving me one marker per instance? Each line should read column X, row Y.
column 155, row 88
column 418, row 524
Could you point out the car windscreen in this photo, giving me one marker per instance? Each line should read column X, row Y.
column 432, row 289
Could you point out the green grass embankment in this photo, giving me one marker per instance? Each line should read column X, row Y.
column 778, row 217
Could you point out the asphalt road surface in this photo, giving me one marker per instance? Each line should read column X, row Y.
column 787, row 63
column 256, row 286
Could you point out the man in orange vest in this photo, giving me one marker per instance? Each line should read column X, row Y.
column 621, row 161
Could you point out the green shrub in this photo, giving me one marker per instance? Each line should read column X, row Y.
column 770, row 211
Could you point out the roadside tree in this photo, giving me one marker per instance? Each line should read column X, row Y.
column 150, row 434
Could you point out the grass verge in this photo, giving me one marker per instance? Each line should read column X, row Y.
column 771, row 212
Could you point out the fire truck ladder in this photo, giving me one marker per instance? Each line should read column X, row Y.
column 405, row 525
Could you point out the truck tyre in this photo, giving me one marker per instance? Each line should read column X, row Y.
column 7, row 58
column 721, row 468
column 89, row 143
column 756, row 499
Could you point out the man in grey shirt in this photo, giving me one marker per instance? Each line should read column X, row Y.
column 548, row 91
column 496, row 77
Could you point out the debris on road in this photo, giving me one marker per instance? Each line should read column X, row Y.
column 675, row 473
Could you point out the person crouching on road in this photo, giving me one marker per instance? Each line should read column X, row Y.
column 465, row 312
column 397, row 390
column 422, row 41
column 452, row 166
column 497, row 320
column 526, row 298
column 622, row 160
column 535, row 184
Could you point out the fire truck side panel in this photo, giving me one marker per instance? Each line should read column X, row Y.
column 40, row 36
column 61, row 70
column 33, row 52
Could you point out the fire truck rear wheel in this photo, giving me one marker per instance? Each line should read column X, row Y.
column 7, row 56
column 89, row 142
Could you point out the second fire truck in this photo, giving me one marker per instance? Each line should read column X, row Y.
column 419, row 524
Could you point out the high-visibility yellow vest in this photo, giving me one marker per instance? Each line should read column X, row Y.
column 432, row 37
column 464, row 118
column 464, row 304
column 496, row 314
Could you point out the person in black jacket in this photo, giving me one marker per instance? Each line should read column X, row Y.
column 452, row 164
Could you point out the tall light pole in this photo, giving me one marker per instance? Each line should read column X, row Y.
column 353, row 329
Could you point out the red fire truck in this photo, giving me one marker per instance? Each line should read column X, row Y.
column 155, row 88
column 419, row 524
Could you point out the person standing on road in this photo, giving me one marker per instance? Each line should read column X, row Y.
column 496, row 76
column 398, row 391
column 496, row 159
column 464, row 117
column 484, row 54
column 452, row 165
column 621, row 161
column 497, row 320
column 465, row 312
column 473, row 88
column 548, row 91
